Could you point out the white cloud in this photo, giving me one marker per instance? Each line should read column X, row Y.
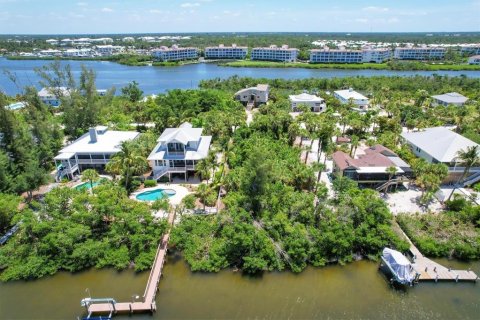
column 82, row 4
column 375, row 9
column 107, row 10
column 190, row 4
column 156, row 11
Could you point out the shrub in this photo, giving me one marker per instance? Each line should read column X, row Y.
column 150, row 183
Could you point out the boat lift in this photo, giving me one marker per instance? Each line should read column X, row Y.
column 86, row 302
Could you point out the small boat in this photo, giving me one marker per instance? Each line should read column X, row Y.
column 399, row 266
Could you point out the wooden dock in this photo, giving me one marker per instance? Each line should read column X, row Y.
column 148, row 301
column 429, row 270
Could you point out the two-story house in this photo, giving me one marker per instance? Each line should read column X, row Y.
column 178, row 151
column 93, row 150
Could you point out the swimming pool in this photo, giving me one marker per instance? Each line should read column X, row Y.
column 155, row 194
column 86, row 185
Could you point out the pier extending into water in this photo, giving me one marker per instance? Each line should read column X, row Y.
column 429, row 270
column 110, row 307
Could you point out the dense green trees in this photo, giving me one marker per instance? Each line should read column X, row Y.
column 73, row 230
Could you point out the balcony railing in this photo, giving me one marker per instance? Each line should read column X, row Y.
column 92, row 161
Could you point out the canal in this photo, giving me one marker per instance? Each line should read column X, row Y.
column 154, row 80
column 357, row 290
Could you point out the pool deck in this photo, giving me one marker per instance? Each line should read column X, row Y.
column 180, row 192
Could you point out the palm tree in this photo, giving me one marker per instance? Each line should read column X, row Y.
column 203, row 192
column 316, row 166
column 354, row 142
column 203, row 169
column 91, row 176
column 468, row 158
column 127, row 162
column 392, row 170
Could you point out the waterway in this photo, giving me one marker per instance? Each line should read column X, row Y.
column 355, row 291
column 154, row 80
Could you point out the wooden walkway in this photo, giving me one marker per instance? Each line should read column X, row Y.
column 148, row 302
column 430, row 270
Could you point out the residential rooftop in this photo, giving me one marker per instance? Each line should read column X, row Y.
column 451, row 97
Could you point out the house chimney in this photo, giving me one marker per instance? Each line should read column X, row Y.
column 93, row 135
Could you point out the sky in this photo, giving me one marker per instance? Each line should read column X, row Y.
column 170, row 16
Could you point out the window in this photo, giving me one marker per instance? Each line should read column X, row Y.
column 84, row 156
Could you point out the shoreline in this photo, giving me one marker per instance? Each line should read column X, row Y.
column 140, row 61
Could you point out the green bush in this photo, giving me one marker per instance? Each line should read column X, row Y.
column 150, row 183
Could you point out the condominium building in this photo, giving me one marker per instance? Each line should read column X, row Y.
column 327, row 55
column 377, row 55
column 175, row 53
column 275, row 53
column 108, row 50
column 335, row 55
column 474, row 60
column 419, row 53
column 223, row 52
column 471, row 49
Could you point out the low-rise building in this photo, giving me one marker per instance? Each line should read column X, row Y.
column 474, row 60
column 376, row 55
column 470, row 49
column 254, row 95
column 327, row 55
column 178, row 151
column 275, row 53
column 79, row 53
column 350, row 95
column 175, row 53
column 109, row 50
column 371, row 167
column 93, row 150
column 419, row 53
column 441, row 145
column 316, row 104
column 451, row 98
column 223, row 52
column 52, row 96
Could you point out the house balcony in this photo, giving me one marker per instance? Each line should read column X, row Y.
column 93, row 161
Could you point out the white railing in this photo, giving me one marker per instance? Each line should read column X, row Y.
column 92, row 161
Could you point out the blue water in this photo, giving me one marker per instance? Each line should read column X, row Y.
column 156, row 194
column 86, row 185
column 160, row 79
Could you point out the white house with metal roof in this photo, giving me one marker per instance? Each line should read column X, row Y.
column 178, row 151
column 441, row 145
column 315, row 103
column 345, row 96
column 451, row 98
column 93, row 150
column 253, row 96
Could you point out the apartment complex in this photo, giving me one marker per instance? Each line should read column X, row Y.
column 327, row 55
column 275, row 53
column 223, row 52
column 175, row 53
column 471, row 49
column 419, row 53
column 474, row 60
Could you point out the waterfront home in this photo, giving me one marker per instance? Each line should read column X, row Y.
column 93, row 150
column 371, row 168
column 52, row 96
column 174, row 53
column 441, row 145
column 451, row 98
column 350, row 95
column 178, row 151
column 253, row 96
column 275, row 53
column 474, row 59
column 226, row 52
column 79, row 53
column 419, row 53
column 316, row 104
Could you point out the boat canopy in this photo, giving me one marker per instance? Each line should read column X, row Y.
column 399, row 265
